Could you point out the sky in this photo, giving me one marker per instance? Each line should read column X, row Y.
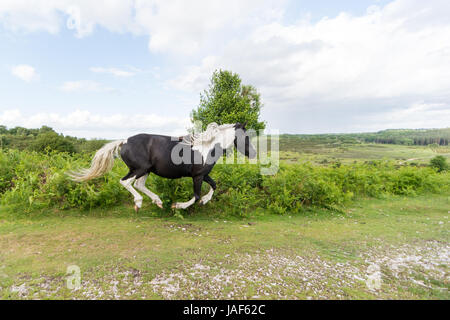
column 114, row 68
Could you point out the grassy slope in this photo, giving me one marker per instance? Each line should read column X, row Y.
column 316, row 255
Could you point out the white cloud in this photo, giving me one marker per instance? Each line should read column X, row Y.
column 84, row 86
column 28, row 16
column 116, row 72
column 173, row 25
column 419, row 114
column 188, row 26
column 327, row 75
column 83, row 123
column 25, row 72
column 386, row 59
column 80, row 15
column 196, row 78
column 381, row 54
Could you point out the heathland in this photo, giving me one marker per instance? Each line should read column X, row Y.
column 346, row 216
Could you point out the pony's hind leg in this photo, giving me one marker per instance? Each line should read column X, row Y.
column 183, row 205
column 140, row 185
column 127, row 183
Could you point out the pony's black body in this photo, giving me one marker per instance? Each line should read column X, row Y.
column 169, row 157
column 149, row 153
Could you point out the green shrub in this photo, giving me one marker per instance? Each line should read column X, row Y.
column 51, row 141
column 439, row 163
column 30, row 180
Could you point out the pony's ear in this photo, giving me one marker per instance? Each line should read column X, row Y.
column 244, row 125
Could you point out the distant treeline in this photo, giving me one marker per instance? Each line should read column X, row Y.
column 420, row 137
column 45, row 139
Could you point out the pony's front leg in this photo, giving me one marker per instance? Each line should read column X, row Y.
column 197, row 190
column 209, row 195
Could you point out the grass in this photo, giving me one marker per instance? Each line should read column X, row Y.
column 295, row 149
column 318, row 255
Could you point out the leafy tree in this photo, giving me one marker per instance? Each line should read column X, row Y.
column 53, row 141
column 45, row 129
column 439, row 162
column 3, row 141
column 227, row 100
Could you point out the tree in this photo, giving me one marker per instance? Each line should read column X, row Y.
column 439, row 162
column 45, row 129
column 3, row 141
column 52, row 141
column 227, row 100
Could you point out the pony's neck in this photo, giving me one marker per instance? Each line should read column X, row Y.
column 224, row 137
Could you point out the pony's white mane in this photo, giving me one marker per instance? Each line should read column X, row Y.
column 212, row 131
column 205, row 141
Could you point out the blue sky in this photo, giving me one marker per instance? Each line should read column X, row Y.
column 319, row 9
column 117, row 68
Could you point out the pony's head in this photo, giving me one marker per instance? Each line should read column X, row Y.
column 242, row 141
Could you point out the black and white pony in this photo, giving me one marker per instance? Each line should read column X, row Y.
column 193, row 156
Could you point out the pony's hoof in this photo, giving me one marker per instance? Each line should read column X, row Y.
column 136, row 208
column 174, row 206
column 159, row 205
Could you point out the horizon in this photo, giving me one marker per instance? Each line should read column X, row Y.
column 89, row 70
column 280, row 133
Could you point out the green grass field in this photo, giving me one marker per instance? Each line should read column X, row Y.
column 389, row 248
column 294, row 149
column 317, row 255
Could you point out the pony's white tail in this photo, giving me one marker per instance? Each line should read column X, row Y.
column 102, row 162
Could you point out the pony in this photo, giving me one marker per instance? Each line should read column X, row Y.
column 193, row 155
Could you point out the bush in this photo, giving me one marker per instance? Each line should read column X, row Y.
column 51, row 141
column 439, row 163
column 30, row 180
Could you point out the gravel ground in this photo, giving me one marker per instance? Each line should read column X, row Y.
column 271, row 274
